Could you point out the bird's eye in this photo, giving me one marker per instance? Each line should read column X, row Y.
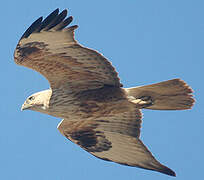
column 31, row 98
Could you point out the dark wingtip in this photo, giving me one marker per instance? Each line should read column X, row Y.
column 49, row 19
column 56, row 11
column 54, row 21
column 57, row 20
column 168, row 171
column 32, row 28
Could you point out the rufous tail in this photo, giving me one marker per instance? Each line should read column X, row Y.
column 173, row 94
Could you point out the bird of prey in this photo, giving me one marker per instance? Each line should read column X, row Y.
column 85, row 91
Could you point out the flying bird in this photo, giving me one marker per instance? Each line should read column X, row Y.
column 85, row 91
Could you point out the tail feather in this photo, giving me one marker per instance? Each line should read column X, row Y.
column 173, row 94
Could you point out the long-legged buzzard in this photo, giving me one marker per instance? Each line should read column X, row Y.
column 98, row 114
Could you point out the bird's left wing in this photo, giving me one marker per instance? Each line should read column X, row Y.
column 113, row 138
column 49, row 47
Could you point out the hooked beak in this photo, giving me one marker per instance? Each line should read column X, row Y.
column 25, row 106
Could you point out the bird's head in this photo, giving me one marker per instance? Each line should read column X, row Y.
column 38, row 101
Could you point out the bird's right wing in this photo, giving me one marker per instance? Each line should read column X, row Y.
column 49, row 48
column 114, row 138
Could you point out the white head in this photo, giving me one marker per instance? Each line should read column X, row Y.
column 38, row 101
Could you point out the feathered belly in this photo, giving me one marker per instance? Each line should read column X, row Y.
column 91, row 103
column 89, row 109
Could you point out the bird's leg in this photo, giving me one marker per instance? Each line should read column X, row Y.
column 143, row 101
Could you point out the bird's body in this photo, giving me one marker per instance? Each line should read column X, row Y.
column 98, row 114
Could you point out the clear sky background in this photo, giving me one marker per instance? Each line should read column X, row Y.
column 147, row 41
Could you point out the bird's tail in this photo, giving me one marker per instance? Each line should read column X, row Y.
column 173, row 94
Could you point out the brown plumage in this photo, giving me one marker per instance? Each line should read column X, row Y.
column 98, row 114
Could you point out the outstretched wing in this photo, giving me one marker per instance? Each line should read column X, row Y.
column 50, row 48
column 114, row 138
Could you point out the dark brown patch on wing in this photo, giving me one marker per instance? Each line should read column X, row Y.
column 29, row 49
column 84, row 134
column 91, row 141
column 25, row 51
column 85, row 138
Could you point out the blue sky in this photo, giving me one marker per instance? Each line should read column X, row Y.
column 147, row 41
